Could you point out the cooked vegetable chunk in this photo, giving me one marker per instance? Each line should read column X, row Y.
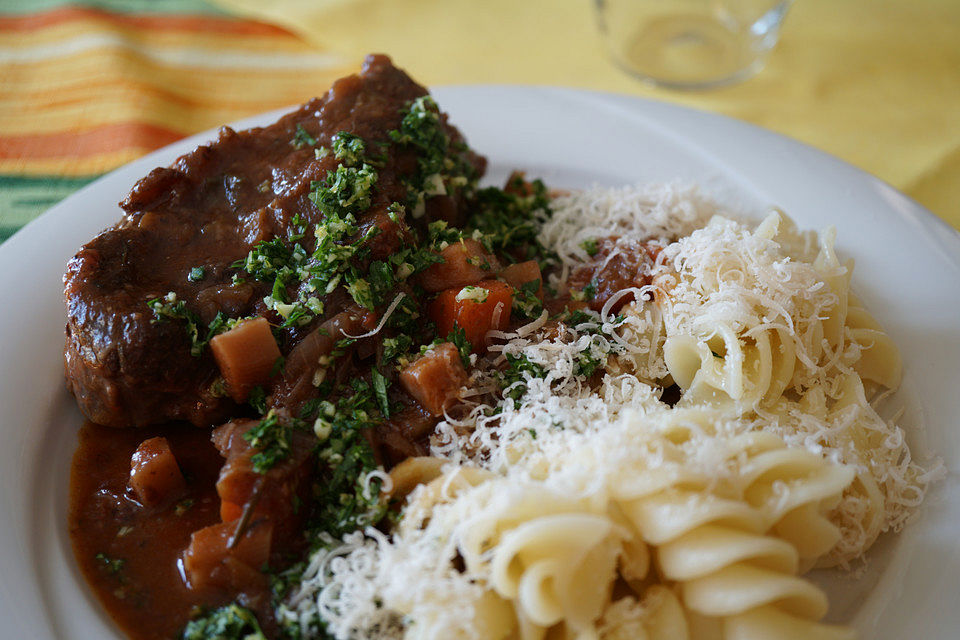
column 524, row 273
column 210, row 561
column 435, row 378
column 475, row 309
column 155, row 477
column 465, row 262
column 246, row 355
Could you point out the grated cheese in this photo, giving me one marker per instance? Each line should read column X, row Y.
column 564, row 437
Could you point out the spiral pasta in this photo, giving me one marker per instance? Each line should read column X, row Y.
column 736, row 545
column 721, row 544
column 765, row 322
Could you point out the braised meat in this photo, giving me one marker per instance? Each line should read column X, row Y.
column 187, row 224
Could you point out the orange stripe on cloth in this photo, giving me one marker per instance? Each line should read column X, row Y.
column 91, row 165
column 200, row 24
column 106, row 139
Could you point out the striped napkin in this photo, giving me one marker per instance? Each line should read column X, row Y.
column 85, row 88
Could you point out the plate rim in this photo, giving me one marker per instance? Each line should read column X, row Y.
column 37, row 227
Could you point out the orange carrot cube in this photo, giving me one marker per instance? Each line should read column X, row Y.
column 246, row 355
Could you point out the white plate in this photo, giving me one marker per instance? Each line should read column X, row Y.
column 908, row 272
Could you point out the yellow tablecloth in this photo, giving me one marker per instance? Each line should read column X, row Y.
column 87, row 85
column 875, row 82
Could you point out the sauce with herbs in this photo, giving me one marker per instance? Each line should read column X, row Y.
column 129, row 554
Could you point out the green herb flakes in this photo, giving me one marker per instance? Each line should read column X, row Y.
column 590, row 246
column 182, row 507
column 380, row 385
column 230, row 622
column 172, row 308
column 272, row 438
column 519, row 370
column 302, row 139
column 113, row 566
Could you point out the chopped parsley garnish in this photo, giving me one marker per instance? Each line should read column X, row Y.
column 272, row 438
column 519, row 370
column 270, row 258
column 340, row 347
column 588, row 363
column 277, row 261
column 302, row 139
column 359, row 289
column 347, row 190
column 440, row 234
column 197, row 274
column 218, row 388
column 579, row 317
column 183, row 506
column 286, row 263
column 525, row 301
column 394, row 347
column 459, row 339
column 258, row 399
column 349, row 148
column 171, row 308
column 442, row 165
column 590, row 291
column 510, row 222
column 380, row 385
column 112, row 566
column 344, row 503
column 476, row 294
column 406, row 316
column 590, row 246
column 230, row 622
column 341, row 196
column 585, row 322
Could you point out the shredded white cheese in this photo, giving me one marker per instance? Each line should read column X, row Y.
column 566, row 423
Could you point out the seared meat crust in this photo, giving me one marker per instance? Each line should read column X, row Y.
column 208, row 210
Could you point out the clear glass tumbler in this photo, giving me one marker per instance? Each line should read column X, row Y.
column 691, row 44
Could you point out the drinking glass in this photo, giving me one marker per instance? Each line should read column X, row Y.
column 691, row 44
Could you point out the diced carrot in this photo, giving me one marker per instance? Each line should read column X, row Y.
column 518, row 185
column 475, row 315
column 523, row 273
column 246, row 355
column 210, row 562
column 155, row 476
column 230, row 511
column 465, row 262
column 435, row 378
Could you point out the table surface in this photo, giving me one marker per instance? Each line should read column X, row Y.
column 88, row 86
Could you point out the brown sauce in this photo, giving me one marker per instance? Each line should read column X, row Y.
column 130, row 554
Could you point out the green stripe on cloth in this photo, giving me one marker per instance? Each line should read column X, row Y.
column 23, row 198
column 19, row 7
